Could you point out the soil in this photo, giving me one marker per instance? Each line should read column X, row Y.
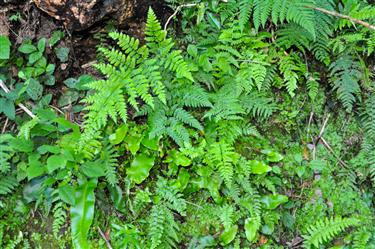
column 35, row 24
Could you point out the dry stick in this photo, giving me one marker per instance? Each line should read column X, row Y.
column 105, row 238
column 24, row 108
column 325, row 143
column 319, row 136
column 333, row 13
column 5, row 126
column 176, row 11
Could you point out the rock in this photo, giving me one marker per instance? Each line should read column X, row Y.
column 81, row 14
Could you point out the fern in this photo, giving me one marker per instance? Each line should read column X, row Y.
column 132, row 74
column 222, row 157
column 290, row 66
column 6, row 151
column 345, row 75
column 368, row 117
column 171, row 196
column 245, row 7
column 258, row 105
column 325, row 230
column 163, row 229
column 59, row 216
column 7, row 184
column 108, row 157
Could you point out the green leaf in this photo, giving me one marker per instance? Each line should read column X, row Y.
column 34, row 89
column 273, row 156
column 82, row 213
column 152, row 144
column 93, row 169
column 48, row 148
column 27, row 48
column 55, row 162
column 140, row 168
column 21, row 144
column 228, row 235
column 119, row 135
column 273, row 201
column 66, row 193
column 214, row 21
column 35, row 167
column 62, row 54
column 35, row 56
column 7, row 107
column 42, row 45
column 56, row 37
column 318, row 165
column 258, row 167
column 251, row 227
column 178, row 159
column 134, row 143
column 4, row 47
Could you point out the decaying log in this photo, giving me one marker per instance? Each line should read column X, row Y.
column 81, row 14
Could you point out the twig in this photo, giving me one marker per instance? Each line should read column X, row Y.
column 333, row 13
column 24, row 108
column 176, row 11
column 325, row 143
column 105, row 238
column 5, row 126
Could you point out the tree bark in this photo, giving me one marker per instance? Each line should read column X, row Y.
column 81, row 14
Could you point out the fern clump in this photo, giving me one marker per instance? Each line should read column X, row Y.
column 133, row 74
column 325, row 230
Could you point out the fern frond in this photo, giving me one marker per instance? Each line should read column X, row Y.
column 108, row 158
column 325, row 230
column 345, row 74
column 59, row 217
column 7, row 184
column 222, row 157
column 245, row 7
column 171, row 195
column 258, row 105
column 6, row 152
column 186, row 118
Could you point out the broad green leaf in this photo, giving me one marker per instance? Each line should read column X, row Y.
column 27, row 48
column 82, row 213
column 42, row 45
column 152, row 144
column 273, row 156
column 55, row 162
column 93, row 169
column 56, row 37
column 251, row 227
column 4, row 47
column 140, row 168
column 62, row 54
column 34, row 89
column 178, row 158
column 117, row 197
column 228, row 235
column 134, row 143
column 7, row 107
column 21, row 144
column 318, row 165
column 48, row 148
column 119, row 135
column 35, row 167
column 66, row 193
column 273, row 201
column 214, row 21
column 259, row 167
column 33, row 57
